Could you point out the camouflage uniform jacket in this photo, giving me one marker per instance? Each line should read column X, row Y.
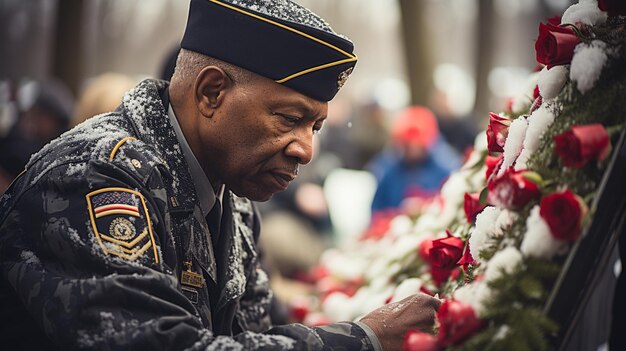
column 103, row 246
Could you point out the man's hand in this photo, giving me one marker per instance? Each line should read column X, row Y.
column 392, row 321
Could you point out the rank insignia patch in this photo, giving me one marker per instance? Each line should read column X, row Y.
column 121, row 224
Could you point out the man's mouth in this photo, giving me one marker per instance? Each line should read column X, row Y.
column 283, row 178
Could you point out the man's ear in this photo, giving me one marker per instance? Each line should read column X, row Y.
column 210, row 86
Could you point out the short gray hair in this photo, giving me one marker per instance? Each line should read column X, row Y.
column 190, row 63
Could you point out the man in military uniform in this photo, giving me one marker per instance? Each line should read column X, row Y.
column 135, row 230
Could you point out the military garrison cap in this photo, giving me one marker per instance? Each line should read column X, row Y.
column 277, row 39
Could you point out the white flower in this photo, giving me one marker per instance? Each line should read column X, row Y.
column 383, row 259
column 514, row 143
column 453, row 191
column 522, row 102
column 337, row 307
column 587, row 64
column 400, row 225
column 538, row 242
column 504, row 261
column 504, row 221
column 475, row 295
column 480, row 145
column 367, row 299
column 344, row 265
column 586, row 11
column 551, row 81
column 480, row 142
column 429, row 222
column 407, row 288
column 538, row 123
column 502, row 332
column 483, row 230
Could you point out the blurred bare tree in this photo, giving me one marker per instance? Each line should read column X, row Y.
column 416, row 45
column 27, row 30
column 68, row 64
column 484, row 53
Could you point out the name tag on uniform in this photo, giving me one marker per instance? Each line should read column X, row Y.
column 191, row 278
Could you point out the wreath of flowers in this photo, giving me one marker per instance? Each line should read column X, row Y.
column 493, row 242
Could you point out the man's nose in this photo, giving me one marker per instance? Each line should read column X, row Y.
column 301, row 148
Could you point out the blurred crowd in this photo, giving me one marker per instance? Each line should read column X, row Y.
column 32, row 113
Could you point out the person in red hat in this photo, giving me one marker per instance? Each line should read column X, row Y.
column 420, row 162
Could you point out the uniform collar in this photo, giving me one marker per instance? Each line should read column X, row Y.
column 204, row 190
column 146, row 106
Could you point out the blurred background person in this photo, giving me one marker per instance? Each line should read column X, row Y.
column 101, row 94
column 458, row 130
column 43, row 112
column 369, row 132
column 417, row 163
column 353, row 133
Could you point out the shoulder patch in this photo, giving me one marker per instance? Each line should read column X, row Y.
column 121, row 224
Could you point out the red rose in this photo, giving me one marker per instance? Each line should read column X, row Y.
column 446, row 252
column 467, row 259
column 555, row 20
column 613, row 7
column 564, row 213
column 472, row 206
column 440, row 275
column 319, row 272
column 497, row 132
column 299, row 308
column 512, row 190
column 381, row 222
column 555, row 44
column 467, row 153
column 455, row 273
column 424, row 249
column 388, row 299
column 425, row 290
column 457, row 321
column 417, row 341
column 536, row 104
column 328, row 285
column 508, row 105
column 581, row 144
column 313, row 275
column 493, row 164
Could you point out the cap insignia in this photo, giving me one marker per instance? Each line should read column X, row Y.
column 343, row 77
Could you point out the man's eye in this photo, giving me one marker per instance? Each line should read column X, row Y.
column 291, row 120
column 317, row 129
